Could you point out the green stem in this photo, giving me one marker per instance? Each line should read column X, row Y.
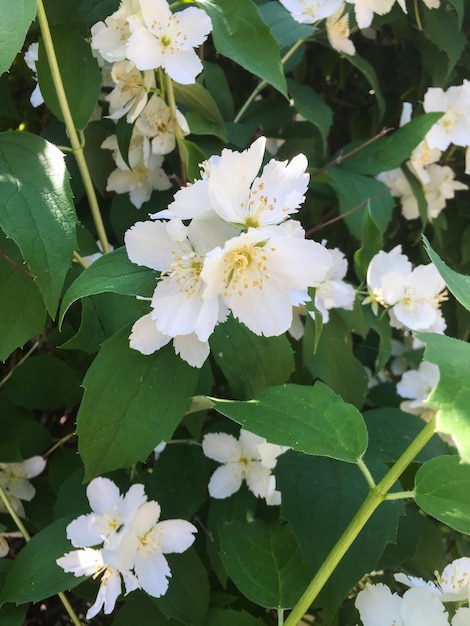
column 264, row 83
column 22, row 360
column 376, row 496
column 418, row 19
column 368, row 476
column 400, row 495
column 75, row 142
column 280, row 617
column 178, row 132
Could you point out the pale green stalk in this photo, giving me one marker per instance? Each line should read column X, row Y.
column 264, row 83
column 6, row 501
column 178, row 132
column 77, row 146
column 376, row 496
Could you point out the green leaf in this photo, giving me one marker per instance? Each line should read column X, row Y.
column 313, row 420
column 312, row 107
column 104, row 315
column 16, row 19
column 217, row 84
column 372, row 242
column 187, row 598
column 389, row 152
column 229, row 617
column 240, row 34
column 80, row 73
column 319, row 499
column 111, row 273
column 452, row 395
column 131, row 403
column 22, row 438
column 264, row 562
column 335, row 364
column 370, row 75
column 391, row 431
column 36, row 209
column 187, row 491
column 25, row 314
column 35, row 574
column 442, row 487
column 442, row 28
column 250, row 362
column 458, row 284
column 192, row 157
column 44, row 382
column 124, row 132
column 199, row 100
column 285, row 29
column 12, row 615
column 380, row 324
column 357, row 194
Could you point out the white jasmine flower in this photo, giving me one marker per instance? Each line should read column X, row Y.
column 14, row 479
column 156, row 122
column 178, row 252
column 230, row 186
column 377, row 606
column 111, row 512
column 453, row 585
column 311, row 11
column 249, row 458
column 383, row 264
column 130, row 94
column 30, row 58
column 144, row 175
column 454, row 125
column 256, row 275
column 90, row 562
column 109, row 38
column 416, row 386
column 168, row 40
column 337, row 30
column 143, row 547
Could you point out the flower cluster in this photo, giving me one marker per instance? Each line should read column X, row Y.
column 239, row 253
column 411, row 296
column 249, row 458
column 143, row 36
column 438, row 181
column 423, row 603
column 123, row 537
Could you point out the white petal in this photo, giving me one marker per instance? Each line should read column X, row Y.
column 183, row 67
column 103, row 495
column 81, row 562
column 191, row 349
column 108, row 593
column 176, row 535
column 152, row 573
column 421, row 607
column 144, row 50
column 221, row 447
column 33, row 467
column 146, row 517
column 258, row 479
column 225, row 481
column 377, row 606
column 145, row 337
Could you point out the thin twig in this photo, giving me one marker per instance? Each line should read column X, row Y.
column 15, row 265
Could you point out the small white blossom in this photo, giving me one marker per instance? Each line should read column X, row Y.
column 167, row 40
column 337, row 30
column 416, row 386
column 144, row 175
column 333, row 292
column 453, row 585
column 156, row 122
column 14, row 479
column 130, row 94
column 454, row 125
column 249, row 458
column 109, row 38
